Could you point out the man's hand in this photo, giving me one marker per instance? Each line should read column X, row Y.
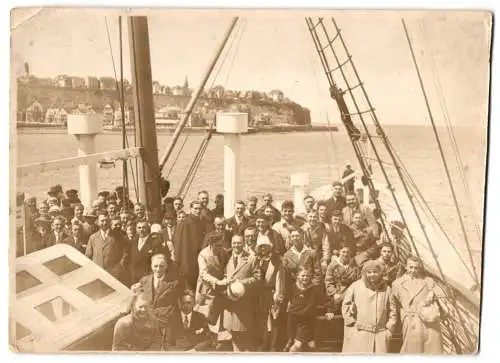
column 330, row 316
column 136, row 288
column 388, row 334
column 199, row 331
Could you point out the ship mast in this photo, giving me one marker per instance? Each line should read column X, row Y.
column 145, row 136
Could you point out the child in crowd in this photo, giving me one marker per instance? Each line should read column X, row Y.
column 302, row 305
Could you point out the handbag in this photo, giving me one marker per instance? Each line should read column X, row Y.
column 429, row 313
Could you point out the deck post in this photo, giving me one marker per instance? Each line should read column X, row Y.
column 299, row 182
column 232, row 125
column 85, row 128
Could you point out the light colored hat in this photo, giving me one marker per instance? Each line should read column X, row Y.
column 263, row 240
column 235, row 291
column 156, row 228
column 54, row 209
column 373, row 265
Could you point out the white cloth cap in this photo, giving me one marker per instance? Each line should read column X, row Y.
column 263, row 240
column 156, row 228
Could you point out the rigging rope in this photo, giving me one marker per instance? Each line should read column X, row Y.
column 426, row 208
column 451, row 133
column 221, row 63
column 136, row 181
column 318, row 89
column 441, row 152
column 241, row 30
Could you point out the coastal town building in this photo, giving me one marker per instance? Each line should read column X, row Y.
column 107, row 83
column 156, row 88
column 92, row 82
column 62, row 80
column 276, row 95
column 34, row 113
column 170, row 101
column 56, row 115
column 77, row 82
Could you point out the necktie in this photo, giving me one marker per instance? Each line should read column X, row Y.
column 235, row 261
column 58, row 237
column 186, row 322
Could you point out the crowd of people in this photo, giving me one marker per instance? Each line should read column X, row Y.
column 261, row 278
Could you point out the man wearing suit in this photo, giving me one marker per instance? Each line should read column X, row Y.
column 76, row 239
column 268, row 202
column 106, row 249
column 237, row 223
column 205, row 213
column 193, row 333
column 57, row 235
column 239, row 317
column 340, row 234
column 287, row 223
column 211, row 283
column 299, row 256
column 168, row 231
column 139, row 253
column 336, row 201
column 163, row 288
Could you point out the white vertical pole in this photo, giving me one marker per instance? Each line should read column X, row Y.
column 88, row 172
column 232, row 158
column 299, row 183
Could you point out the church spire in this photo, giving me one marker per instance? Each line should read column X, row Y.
column 186, row 84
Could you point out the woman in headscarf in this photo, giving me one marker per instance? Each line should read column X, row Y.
column 368, row 317
column 414, row 297
column 137, row 331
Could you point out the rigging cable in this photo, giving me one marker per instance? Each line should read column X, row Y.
column 426, row 208
column 451, row 134
column 122, row 109
column 239, row 36
column 445, row 164
column 231, row 41
column 136, row 181
column 325, row 110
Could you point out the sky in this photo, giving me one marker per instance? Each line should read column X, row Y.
column 274, row 50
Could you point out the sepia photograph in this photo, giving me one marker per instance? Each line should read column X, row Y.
column 248, row 181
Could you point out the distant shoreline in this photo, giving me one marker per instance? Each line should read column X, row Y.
column 58, row 128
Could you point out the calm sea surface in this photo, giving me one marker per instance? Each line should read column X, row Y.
column 269, row 159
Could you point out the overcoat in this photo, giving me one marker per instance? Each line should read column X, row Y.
column 368, row 319
column 239, row 315
column 409, row 296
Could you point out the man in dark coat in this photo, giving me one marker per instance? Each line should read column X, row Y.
column 340, row 234
column 349, row 184
column 77, row 238
column 193, row 333
column 262, row 223
column 57, row 235
column 187, row 244
column 268, row 202
column 106, row 249
column 218, row 211
column 139, row 253
column 237, row 223
column 163, row 287
column 336, row 201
